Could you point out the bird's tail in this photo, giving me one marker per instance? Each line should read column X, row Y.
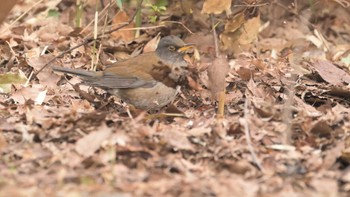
column 78, row 72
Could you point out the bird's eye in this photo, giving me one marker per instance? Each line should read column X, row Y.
column 171, row 48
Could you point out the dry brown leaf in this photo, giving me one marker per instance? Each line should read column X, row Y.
column 332, row 155
column 216, row 7
column 345, row 177
column 324, row 187
column 199, row 131
column 308, row 109
column 240, row 32
column 152, row 44
column 6, row 8
column 52, row 30
column 24, row 94
column 125, row 35
column 277, row 44
column 177, row 139
column 193, row 84
column 81, row 106
column 46, row 76
column 37, row 115
column 90, row 143
column 180, row 156
column 330, row 73
column 321, row 128
column 3, row 142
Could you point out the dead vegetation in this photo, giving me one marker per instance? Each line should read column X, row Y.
column 287, row 98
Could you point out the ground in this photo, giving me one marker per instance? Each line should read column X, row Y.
column 286, row 123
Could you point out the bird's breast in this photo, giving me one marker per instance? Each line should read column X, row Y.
column 148, row 98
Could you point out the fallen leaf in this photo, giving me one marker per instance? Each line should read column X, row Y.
column 25, row 93
column 40, row 98
column 240, row 31
column 90, row 143
column 3, row 142
column 46, row 76
column 152, row 44
column 330, row 73
column 177, row 140
column 216, row 7
column 125, row 35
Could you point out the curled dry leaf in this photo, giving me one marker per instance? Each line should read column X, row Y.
column 240, row 31
column 216, row 7
column 193, row 84
column 152, row 44
column 217, row 73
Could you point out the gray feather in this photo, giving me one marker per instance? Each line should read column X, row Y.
column 107, row 80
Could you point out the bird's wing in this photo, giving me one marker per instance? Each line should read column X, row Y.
column 116, row 81
column 144, row 70
column 131, row 73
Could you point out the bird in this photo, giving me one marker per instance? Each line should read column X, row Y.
column 148, row 81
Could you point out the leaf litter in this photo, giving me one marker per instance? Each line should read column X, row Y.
column 287, row 84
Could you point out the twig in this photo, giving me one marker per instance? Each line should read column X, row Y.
column 93, row 59
column 101, row 13
column 287, row 114
column 215, row 37
column 177, row 22
column 141, row 28
column 343, row 3
column 88, row 40
column 244, row 122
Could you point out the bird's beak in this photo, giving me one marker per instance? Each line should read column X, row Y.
column 185, row 48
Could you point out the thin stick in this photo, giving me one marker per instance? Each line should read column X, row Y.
column 244, row 122
column 215, row 37
column 93, row 60
column 142, row 28
column 101, row 13
column 287, row 115
column 177, row 22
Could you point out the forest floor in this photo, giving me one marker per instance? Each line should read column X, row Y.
column 287, row 115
